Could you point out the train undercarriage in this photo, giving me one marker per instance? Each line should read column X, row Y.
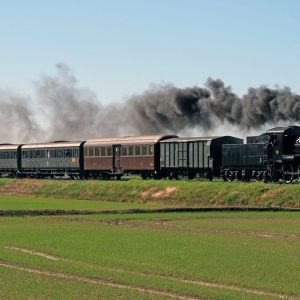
column 284, row 172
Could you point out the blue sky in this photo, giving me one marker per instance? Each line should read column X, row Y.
column 118, row 48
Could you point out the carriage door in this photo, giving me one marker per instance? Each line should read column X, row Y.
column 116, row 163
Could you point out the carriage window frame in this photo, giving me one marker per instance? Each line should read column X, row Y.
column 103, row 151
column 137, row 151
column 144, row 150
column 130, row 151
column 109, row 151
column 97, row 151
column 124, row 151
column 91, row 151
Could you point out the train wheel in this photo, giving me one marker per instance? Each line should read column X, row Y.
column 287, row 173
column 209, row 176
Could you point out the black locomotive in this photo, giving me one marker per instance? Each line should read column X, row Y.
column 272, row 156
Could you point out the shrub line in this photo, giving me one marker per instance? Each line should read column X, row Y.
column 50, row 212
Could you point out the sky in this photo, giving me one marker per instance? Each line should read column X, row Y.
column 119, row 48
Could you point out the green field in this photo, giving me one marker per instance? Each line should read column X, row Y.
column 215, row 255
column 122, row 255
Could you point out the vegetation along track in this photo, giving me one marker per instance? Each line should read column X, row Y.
column 59, row 212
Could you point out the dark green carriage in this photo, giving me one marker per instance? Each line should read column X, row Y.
column 52, row 159
column 10, row 159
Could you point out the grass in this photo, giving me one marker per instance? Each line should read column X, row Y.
column 154, row 252
column 8, row 202
column 214, row 255
column 162, row 192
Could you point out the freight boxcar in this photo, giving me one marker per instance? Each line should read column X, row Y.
column 10, row 161
column 113, row 157
column 52, row 159
column 193, row 156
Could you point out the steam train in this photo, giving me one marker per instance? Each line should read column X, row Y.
column 273, row 156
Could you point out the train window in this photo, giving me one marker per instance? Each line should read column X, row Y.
column 130, row 150
column 68, row 153
column 144, row 150
column 124, row 151
column 150, row 150
column 137, row 150
column 103, row 151
column 76, row 152
column 108, row 151
column 86, row 152
column 91, row 151
column 97, row 151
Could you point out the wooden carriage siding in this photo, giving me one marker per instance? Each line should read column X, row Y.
column 138, row 150
column 136, row 154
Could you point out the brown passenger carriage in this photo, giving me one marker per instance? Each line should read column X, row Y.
column 114, row 156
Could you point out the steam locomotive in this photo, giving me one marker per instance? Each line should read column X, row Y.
column 273, row 156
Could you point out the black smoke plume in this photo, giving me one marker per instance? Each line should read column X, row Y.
column 67, row 111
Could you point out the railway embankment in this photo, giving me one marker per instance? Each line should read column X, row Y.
column 173, row 193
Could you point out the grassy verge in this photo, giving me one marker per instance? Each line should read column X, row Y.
column 162, row 192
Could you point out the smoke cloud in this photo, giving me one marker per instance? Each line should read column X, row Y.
column 71, row 112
